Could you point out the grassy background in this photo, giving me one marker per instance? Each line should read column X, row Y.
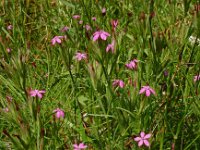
column 103, row 117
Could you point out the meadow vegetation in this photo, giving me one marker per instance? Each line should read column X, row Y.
column 100, row 74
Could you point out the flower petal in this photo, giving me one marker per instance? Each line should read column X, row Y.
column 140, row 143
column 148, row 93
column 142, row 134
column 147, row 136
column 137, row 139
column 142, row 90
column 146, row 143
column 96, row 36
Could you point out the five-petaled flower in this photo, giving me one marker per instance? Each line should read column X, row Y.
column 57, row 39
column 79, row 56
column 132, row 64
column 147, row 90
column 119, row 83
column 100, row 34
column 143, row 139
column 37, row 93
column 196, row 78
column 79, row 146
column 111, row 47
column 59, row 113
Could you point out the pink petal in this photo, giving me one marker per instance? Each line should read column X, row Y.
column 39, row 95
column 142, row 90
column 137, row 139
column 96, row 36
column 142, row 134
column 152, row 91
column 146, row 143
column 147, row 136
column 148, row 93
column 58, row 40
column 140, row 143
column 103, row 36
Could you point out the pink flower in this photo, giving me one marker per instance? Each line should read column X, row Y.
column 94, row 18
column 80, row 22
column 111, row 47
column 147, row 90
column 9, row 27
column 196, row 78
column 119, row 83
column 57, row 39
column 6, row 109
column 79, row 56
column 132, row 64
column 87, row 27
column 143, row 139
column 64, row 29
column 79, row 146
column 37, row 93
column 59, row 113
column 100, row 34
column 8, row 50
column 76, row 16
column 103, row 10
column 114, row 23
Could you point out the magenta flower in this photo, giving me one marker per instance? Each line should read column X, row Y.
column 147, row 90
column 143, row 139
column 57, row 39
column 94, row 18
column 76, row 16
column 37, row 93
column 64, row 29
column 114, row 23
column 59, row 113
column 103, row 10
column 100, row 34
column 9, row 27
column 6, row 109
column 79, row 56
column 87, row 27
column 119, row 83
column 196, row 78
column 80, row 22
column 111, row 47
column 132, row 64
column 79, row 146
column 8, row 50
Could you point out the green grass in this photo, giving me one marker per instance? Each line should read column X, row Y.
column 156, row 33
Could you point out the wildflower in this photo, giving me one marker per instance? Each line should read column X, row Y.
column 76, row 16
column 103, row 11
column 6, row 109
column 9, row 27
column 8, row 50
column 94, row 18
column 80, row 22
column 132, row 64
column 57, row 39
column 37, row 93
column 166, row 73
column 114, row 24
column 59, row 113
column 79, row 56
column 119, row 83
column 65, row 28
column 111, row 47
column 100, row 34
column 196, row 78
column 147, row 90
column 87, row 27
column 143, row 139
column 79, row 146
